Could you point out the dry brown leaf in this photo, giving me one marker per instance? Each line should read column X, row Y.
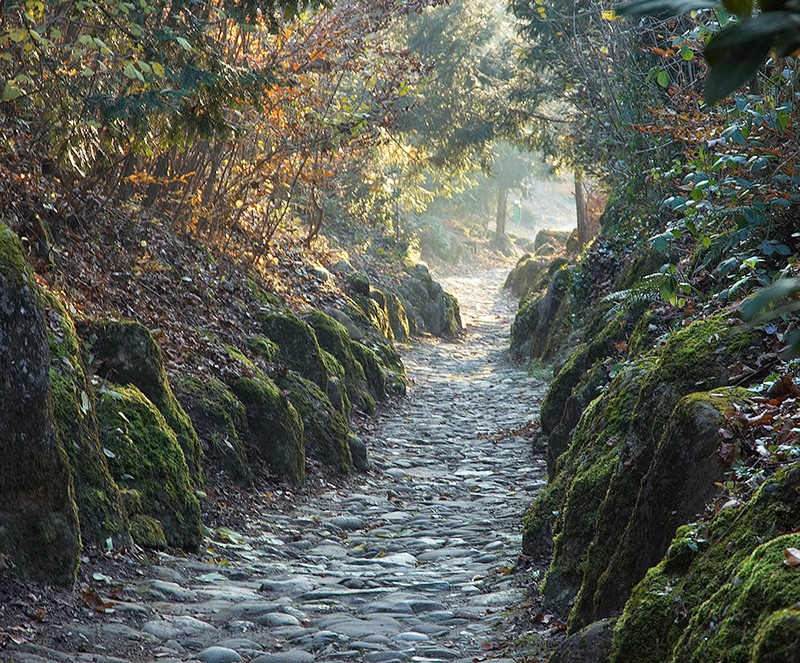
column 791, row 557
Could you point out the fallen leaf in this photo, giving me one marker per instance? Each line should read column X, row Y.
column 91, row 599
column 791, row 557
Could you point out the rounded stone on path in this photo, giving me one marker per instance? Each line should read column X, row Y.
column 290, row 587
column 278, row 619
column 291, row 656
column 347, row 523
column 172, row 627
column 385, row 657
column 219, row 655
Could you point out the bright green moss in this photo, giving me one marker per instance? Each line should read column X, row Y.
column 333, row 338
column 373, row 369
column 778, row 637
column 147, row 458
column 100, row 509
column 126, row 353
column 147, row 532
column 265, row 348
column 398, row 318
column 727, row 570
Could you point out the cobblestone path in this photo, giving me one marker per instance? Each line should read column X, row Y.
column 409, row 562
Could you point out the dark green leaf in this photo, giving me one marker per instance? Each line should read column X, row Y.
column 764, row 298
column 743, row 7
column 736, row 52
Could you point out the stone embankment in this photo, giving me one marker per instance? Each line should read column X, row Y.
column 409, row 561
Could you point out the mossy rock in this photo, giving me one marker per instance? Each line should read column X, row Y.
column 276, row 430
column 148, row 532
column 525, row 273
column 358, row 282
column 571, row 389
column 374, row 308
column 100, row 509
column 689, row 464
column 148, row 459
column 220, row 420
column 298, row 346
column 39, row 529
column 538, row 328
column 325, row 430
column 333, row 337
column 721, row 588
column 554, row 237
column 696, row 357
column 398, row 318
column 583, row 474
column 373, row 369
column 125, row 353
column 265, row 348
column 434, row 310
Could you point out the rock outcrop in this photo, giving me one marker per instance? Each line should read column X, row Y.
column 38, row 518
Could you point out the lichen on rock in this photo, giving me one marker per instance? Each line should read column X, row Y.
column 38, row 518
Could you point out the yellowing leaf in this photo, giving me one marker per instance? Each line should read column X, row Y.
column 11, row 92
column 609, row 15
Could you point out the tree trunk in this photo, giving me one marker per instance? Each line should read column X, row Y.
column 581, row 212
column 502, row 208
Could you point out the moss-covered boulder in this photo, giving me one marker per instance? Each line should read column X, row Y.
column 325, row 430
column 38, row 517
column 145, row 457
column 220, row 420
column 125, row 353
column 299, row 350
column 333, row 337
column 525, row 274
column 398, row 318
column 687, row 469
column 722, row 591
column 276, row 430
column 432, row 309
column 580, row 378
column 103, row 519
column 539, row 326
column 611, row 452
column 297, row 344
column 374, row 308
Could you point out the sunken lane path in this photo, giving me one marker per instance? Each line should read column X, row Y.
column 409, row 562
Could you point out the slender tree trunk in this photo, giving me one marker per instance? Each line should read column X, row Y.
column 502, row 208
column 584, row 232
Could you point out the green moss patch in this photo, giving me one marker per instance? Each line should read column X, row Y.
column 333, row 337
column 324, row 428
column 276, row 430
column 220, row 420
column 146, row 457
column 38, row 519
column 102, row 514
column 126, row 353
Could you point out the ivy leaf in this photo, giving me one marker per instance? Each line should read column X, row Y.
column 11, row 91
column 663, row 78
column 185, row 45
